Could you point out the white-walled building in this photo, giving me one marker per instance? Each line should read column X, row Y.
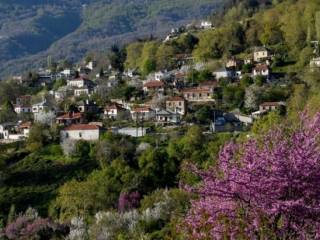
column 177, row 104
column 206, row 25
column 81, row 132
column 261, row 70
column 260, row 54
column 79, row 83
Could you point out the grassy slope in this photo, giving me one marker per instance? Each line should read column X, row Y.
column 32, row 179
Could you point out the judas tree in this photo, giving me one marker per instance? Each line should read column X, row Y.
column 265, row 188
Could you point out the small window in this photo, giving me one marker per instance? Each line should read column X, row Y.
column 80, row 135
column 180, row 103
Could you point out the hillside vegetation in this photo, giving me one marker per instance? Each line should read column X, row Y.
column 180, row 183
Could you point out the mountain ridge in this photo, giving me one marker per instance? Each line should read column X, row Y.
column 69, row 29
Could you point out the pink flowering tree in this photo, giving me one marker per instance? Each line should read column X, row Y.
column 127, row 201
column 262, row 189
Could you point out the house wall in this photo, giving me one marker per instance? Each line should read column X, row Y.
column 176, row 106
column 257, row 56
column 79, row 92
column 88, row 135
column 75, row 83
column 198, row 97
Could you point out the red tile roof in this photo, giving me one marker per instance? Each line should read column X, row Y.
column 113, row 106
column 175, row 98
column 269, row 104
column 70, row 115
column 196, row 90
column 154, row 84
column 25, row 125
column 81, row 127
column 261, row 67
column 142, row 109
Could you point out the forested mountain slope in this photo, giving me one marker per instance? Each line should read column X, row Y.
column 31, row 30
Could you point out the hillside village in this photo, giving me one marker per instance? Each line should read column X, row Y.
column 210, row 131
column 166, row 98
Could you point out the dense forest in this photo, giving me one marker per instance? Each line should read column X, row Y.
column 183, row 183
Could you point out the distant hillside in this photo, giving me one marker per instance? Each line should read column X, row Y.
column 31, row 30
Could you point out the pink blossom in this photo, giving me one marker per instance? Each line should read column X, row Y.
column 266, row 189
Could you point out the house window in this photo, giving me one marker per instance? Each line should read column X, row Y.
column 80, row 135
column 67, row 135
column 180, row 103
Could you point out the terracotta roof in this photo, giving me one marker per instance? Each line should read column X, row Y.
column 154, row 84
column 175, row 98
column 261, row 67
column 25, row 125
column 267, row 104
column 209, row 84
column 196, row 90
column 70, row 115
column 77, row 127
column 114, row 106
column 142, row 109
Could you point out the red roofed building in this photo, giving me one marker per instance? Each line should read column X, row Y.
column 81, row 132
column 177, row 104
column 115, row 111
column 261, row 70
column 70, row 118
column 270, row 106
column 154, row 85
column 198, row 94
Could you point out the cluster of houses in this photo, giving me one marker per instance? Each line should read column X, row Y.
column 258, row 65
column 175, row 32
column 173, row 93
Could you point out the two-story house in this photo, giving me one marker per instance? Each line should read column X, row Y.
column 177, row 104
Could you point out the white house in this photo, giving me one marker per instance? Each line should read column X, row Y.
column 198, row 94
column 260, row 54
column 40, row 107
column 315, row 62
column 14, row 131
column 158, row 76
column 79, row 82
column 67, row 72
column 164, row 116
column 22, row 109
column 206, row 25
column 84, row 91
column 133, row 132
column 81, row 132
column 223, row 73
column 115, row 111
column 177, row 104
